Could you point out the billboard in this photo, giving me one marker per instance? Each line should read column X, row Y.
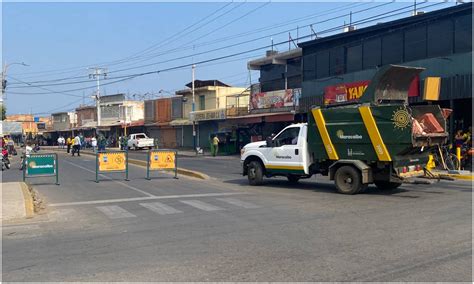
column 275, row 99
column 353, row 91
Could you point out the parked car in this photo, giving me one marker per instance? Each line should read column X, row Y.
column 140, row 141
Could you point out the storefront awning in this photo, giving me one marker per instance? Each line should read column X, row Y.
column 180, row 122
column 260, row 117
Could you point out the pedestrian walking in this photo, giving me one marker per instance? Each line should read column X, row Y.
column 215, row 145
column 94, row 144
column 69, row 144
column 76, row 148
column 101, row 142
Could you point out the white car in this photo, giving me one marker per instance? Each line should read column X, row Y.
column 140, row 141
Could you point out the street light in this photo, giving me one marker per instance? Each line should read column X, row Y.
column 4, row 74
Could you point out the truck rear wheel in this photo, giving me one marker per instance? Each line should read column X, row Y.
column 348, row 180
column 387, row 185
column 255, row 173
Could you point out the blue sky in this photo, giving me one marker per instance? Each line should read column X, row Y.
column 60, row 40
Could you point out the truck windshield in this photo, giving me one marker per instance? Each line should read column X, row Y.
column 140, row 136
column 287, row 137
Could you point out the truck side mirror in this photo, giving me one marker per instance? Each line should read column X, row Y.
column 269, row 141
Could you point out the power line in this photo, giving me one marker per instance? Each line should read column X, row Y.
column 110, row 63
column 221, row 39
column 367, row 20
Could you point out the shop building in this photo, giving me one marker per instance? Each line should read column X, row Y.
column 339, row 67
column 120, row 116
column 274, row 101
column 158, row 116
column 211, row 98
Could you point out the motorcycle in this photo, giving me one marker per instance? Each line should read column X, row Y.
column 5, row 160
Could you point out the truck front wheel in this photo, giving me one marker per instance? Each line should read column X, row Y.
column 387, row 185
column 255, row 173
column 348, row 180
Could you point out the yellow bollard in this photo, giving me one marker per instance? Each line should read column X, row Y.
column 431, row 164
column 458, row 155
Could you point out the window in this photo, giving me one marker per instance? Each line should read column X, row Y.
column 336, row 61
column 272, row 72
column 463, row 34
column 294, row 82
column 372, row 53
column 202, row 102
column 294, row 67
column 415, row 43
column 274, row 85
column 440, row 38
column 287, row 137
column 354, row 58
column 322, row 64
column 392, row 48
column 309, row 67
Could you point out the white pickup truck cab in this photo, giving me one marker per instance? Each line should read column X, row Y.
column 140, row 141
column 286, row 154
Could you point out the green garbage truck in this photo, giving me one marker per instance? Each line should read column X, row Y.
column 379, row 139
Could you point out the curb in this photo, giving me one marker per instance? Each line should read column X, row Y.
column 456, row 176
column 29, row 205
column 181, row 171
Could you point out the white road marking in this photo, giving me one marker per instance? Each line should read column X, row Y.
column 143, row 198
column 62, row 215
column 238, row 202
column 160, row 208
column 201, row 205
column 116, row 181
column 115, row 212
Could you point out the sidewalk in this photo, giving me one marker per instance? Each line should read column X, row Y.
column 17, row 202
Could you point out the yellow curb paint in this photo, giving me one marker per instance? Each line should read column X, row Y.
column 463, row 177
column 29, row 205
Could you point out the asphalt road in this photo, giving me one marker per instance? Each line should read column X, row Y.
column 224, row 230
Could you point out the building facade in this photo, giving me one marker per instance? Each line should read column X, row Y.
column 210, row 113
column 441, row 41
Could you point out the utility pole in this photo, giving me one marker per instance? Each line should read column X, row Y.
column 193, row 109
column 4, row 75
column 96, row 73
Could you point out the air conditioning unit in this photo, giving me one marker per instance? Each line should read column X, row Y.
column 349, row 29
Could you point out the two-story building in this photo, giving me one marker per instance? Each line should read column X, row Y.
column 86, row 120
column 158, row 116
column 119, row 115
column 274, row 100
column 211, row 99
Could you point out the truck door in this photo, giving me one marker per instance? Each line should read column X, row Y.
column 286, row 155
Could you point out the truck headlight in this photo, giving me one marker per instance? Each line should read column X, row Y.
column 242, row 151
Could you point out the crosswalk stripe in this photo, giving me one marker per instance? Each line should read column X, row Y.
column 238, row 202
column 115, row 212
column 201, row 205
column 160, row 208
